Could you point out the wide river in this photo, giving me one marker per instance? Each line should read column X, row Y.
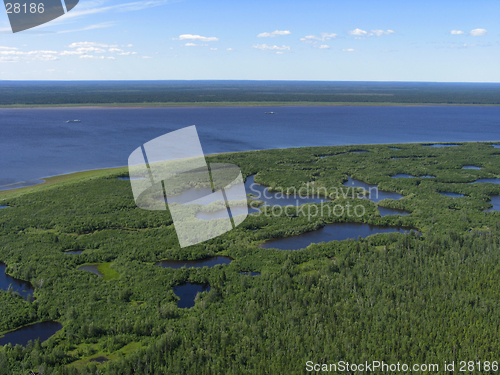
column 36, row 143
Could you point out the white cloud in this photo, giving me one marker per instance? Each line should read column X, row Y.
column 111, row 58
column 456, row 32
column 88, row 44
column 363, row 33
column 50, row 70
column 314, row 38
column 9, row 58
column 8, row 48
column 229, row 49
column 381, row 32
column 273, row 34
column 348, row 50
column 146, row 57
column 478, row 32
column 12, row 55
column 275, row 47
column 358, row 32
column 324, row 46
column 213, row 49
column 326, row 36
column 194, row 45
column 309, row 38
column 85, row 48
column 197, row 37
column 279, row 53
column 92, row 57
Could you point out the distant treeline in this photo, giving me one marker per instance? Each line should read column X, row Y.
column 123, row 92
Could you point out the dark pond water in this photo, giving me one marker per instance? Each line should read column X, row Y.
column 4, row 207
column 375, row 195
column 277, row 198
column 208, row 262
column 330, row 232
column 99, row 359
column 90, row 268
column 187, row 293
column 488, row 180
column 395, row 148
column 441, row 145
column 470, row 167
column 20, row 286
column 40, row 331
column 249, row 273
column 404, row 175
column 496, row 146
column 384, row 211
column 453, row 195
column 74, row 252
column 495, row 201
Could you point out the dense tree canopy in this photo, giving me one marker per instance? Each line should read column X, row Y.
column 411, row 298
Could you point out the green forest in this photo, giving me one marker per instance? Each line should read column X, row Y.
column 53, row 93
column 422, row 297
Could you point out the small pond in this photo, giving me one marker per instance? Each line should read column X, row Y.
column 384, row 211
column 495, row 201
column 330, row 232
column 453, row 195
column 440, row 145
column 90, row 268
column 496, row 146
column 22, row 335
column 404, row 175
column 208, row 262
column 20, row 286
column 470, row 167
column 277, row 198
column 187, row 293
column 375, row 195
column 394, row 148
column 249, row 273
column 74, row 252
column 488, row 180
column 4, row 207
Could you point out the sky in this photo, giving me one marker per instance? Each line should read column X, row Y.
column 325, row 40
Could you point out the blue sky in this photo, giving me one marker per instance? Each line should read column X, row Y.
column 330, row 40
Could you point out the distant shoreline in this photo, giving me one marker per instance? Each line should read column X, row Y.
column 236, row 104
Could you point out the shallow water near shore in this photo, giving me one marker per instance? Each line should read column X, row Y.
column 187, row 293
column 22, row 287
column 32, row 332
column 37, row 142
column 330, row 232
column 279, row 198
column 375, row 195
column 90, row 268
